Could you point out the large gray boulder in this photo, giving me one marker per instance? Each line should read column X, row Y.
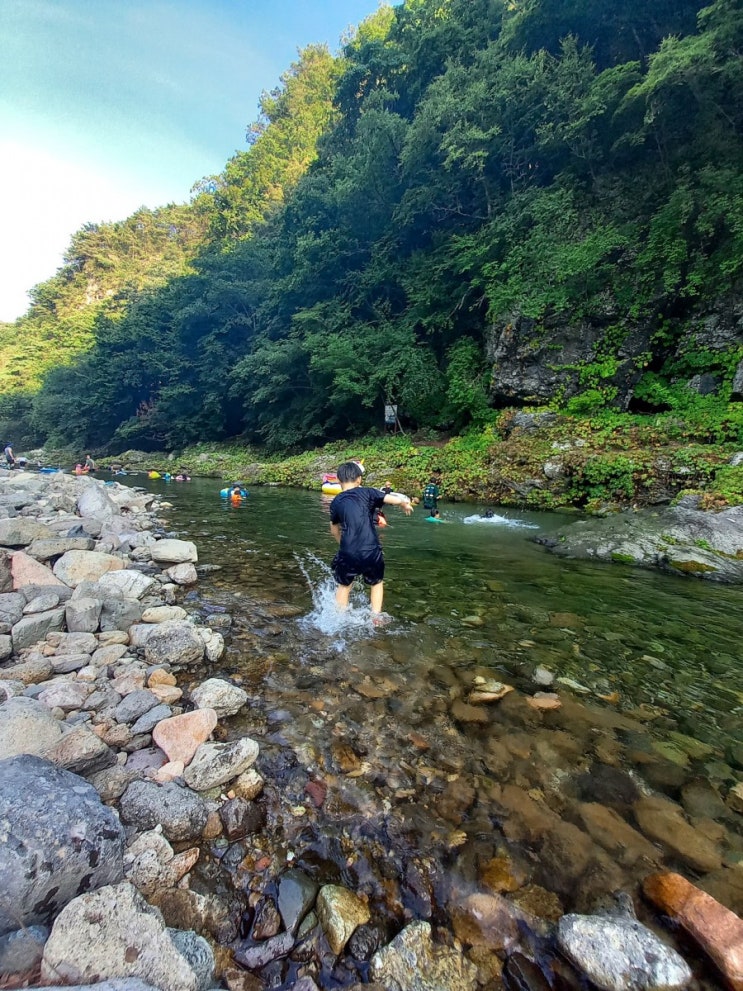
column 32, row 629
column 113, row 932
column 58, row 841
column 174, row 642
column 172, row 551
column 127, row 583
column 220, row 695
column 95, row 502
column 83, row 615
column 22, row 531
column 181, row 813
column 27, row 727
column 75, row 567
column 680, row 540
column 119, row 613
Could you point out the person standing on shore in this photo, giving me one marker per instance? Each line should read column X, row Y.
column 9, row 456
column 352, row 524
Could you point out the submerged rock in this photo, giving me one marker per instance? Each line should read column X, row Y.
column 413, row 962
column 715, row 928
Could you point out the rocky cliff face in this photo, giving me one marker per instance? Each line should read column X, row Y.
column 538, row 361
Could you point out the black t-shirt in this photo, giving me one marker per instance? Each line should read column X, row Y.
column 354, row 511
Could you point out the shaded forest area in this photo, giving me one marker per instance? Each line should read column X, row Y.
column 477, row 204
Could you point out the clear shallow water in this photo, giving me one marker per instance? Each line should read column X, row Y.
column 386, row 778
column 486, row 589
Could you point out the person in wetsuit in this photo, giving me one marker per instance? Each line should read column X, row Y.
column 352, row 525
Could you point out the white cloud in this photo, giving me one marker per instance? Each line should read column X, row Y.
column 44, row 198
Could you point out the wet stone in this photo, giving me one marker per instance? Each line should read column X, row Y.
column 608, row 786
column 664, row 822
column 297, row 892
column 486, row 920
column 701, row 799
column 257, row 957
column 412, row 961
column 267, row 920
column 340, row 912
column 538, row 902
column 618, row 954
column 715, row 928
column 241, row 817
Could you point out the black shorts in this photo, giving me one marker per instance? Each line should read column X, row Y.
column 346, row 569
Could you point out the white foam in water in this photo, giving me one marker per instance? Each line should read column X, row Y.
column 500, row 520
column 325, row 616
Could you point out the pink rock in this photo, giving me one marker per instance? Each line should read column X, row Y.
column 715, row 928
column 181, row 736
column 130, row 681
column 545, row 701
column 26, row 570
column 168, row 772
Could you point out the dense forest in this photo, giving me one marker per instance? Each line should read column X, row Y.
column 477, row 204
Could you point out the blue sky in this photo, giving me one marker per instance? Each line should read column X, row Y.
column 108, row 105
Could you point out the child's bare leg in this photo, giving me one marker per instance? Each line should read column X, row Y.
column 376, row 595
column 342, row 595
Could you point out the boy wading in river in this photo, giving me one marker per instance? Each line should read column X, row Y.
column 352, row 525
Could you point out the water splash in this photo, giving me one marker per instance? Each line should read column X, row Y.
column 325, row 616
column 500, row 521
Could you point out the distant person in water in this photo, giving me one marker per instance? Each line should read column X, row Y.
column 434, row 517
column 236, row 494
column 352, row 524
column 90, row 463
column 431, row 495
column 488, row 514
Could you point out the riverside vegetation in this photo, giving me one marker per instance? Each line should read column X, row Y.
column 476, row 205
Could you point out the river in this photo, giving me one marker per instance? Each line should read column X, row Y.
column 389, row 780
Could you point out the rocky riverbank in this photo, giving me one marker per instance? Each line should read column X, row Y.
column 681, row 540
column 137, row 828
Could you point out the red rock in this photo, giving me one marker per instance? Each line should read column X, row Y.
column 181, row 736
column 717, row 930
column 316, row 791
